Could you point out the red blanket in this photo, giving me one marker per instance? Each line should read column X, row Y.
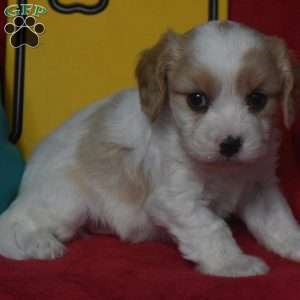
column 105, row 268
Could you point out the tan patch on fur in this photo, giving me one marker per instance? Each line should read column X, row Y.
column 151, row 73
column 226, row 25
column 295, row 106
column 289, row 76
column 187, row 79
column 259, row 72
column 272, row 71
column 106, row 164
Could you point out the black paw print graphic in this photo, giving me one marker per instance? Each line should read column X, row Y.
column 30, row 29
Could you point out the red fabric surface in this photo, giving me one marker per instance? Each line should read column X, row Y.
column 105, row 268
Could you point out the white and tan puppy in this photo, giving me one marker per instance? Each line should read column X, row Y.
column 195, row 144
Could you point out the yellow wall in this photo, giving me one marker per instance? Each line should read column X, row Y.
column 83, row 58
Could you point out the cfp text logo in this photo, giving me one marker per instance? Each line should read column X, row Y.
column 24, row 22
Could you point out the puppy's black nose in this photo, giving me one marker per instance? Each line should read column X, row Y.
column 230, row 146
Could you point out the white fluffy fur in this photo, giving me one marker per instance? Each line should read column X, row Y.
column 186, row 187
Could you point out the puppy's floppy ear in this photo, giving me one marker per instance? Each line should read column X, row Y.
column 290, row 74
column 151, row 73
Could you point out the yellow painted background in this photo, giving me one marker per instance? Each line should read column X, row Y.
column 83, row 58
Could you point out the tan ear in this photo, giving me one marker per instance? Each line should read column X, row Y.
column 290, row 79
column 151, row 73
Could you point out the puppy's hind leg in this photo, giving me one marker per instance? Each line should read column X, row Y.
column 41, row 219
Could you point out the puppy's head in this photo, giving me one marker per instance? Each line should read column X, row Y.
column 223, row 84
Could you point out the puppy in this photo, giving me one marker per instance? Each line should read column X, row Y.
column 196, row 143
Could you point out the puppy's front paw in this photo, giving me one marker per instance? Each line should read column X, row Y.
column 289, row 248
column 40, row 245
column 240, row 266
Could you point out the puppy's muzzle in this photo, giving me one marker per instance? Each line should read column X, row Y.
column 230, row 146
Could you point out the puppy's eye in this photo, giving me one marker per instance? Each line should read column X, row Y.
column 198, row 102
column 256, row 101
